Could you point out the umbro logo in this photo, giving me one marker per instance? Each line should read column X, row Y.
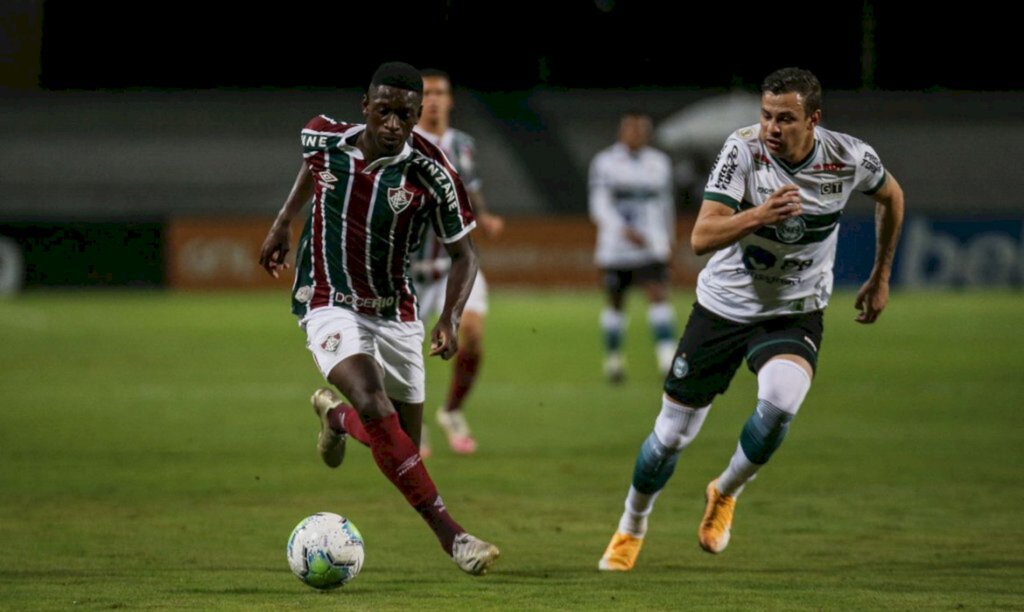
column 327, row 177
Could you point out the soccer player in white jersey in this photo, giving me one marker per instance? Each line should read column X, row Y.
column 374, row 187
column 631, row 203
column 430, row 263
column 770, row 215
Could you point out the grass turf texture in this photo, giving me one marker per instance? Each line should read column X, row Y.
column 157, row 449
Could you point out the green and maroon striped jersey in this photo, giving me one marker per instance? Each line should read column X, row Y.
column 367, row 218
column 430, row 262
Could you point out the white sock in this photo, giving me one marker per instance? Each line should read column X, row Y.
column 613, row 326
column 661, row 313
column 662, row 318
column 638, row 508
column 612, row 320
column 738, row 473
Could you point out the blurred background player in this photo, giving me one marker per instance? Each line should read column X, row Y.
column 375, row 189
column 430, row 263
column 631, row 202
column 770, row 215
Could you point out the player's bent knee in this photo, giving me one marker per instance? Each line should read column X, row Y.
column 781, row 387
column 471, row 332
column 677, row 425
column 764, row 432
column 371, row 403
column 783, row 384
column 654, row 465
column 471, row 344
column 682, row 393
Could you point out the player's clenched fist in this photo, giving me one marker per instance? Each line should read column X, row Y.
column 274, row 249
column 782, row 204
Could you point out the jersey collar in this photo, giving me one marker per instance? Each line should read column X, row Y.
column 380, row 162
column 794, row 168
column 626, row 151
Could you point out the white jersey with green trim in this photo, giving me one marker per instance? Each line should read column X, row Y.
column 785, row 268
column 632, row 189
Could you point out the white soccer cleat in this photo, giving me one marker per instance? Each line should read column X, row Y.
column 473, row 555
column 330, row 443
column 457, row 429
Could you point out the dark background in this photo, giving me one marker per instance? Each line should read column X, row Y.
column 519, row 45
column 120, row 120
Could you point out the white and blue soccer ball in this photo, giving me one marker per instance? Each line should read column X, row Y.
column 325, row 551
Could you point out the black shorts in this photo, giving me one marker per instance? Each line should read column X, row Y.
column 712, row 348
column 617, row 280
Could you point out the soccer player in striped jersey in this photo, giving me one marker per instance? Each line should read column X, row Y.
column 375, row 187
column 430, row 263
column 770, row 212
column 631, row 203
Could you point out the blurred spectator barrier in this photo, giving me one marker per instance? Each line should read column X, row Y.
column 80, row 254
column 936, row 253
column 222, row 253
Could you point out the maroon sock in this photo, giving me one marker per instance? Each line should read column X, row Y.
column 466, row 366
column 399, row 460
column 344, row 418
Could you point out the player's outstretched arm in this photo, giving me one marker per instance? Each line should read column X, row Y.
column 718, row 226
column 874, row 294
column 278, row 240
column 444, row 339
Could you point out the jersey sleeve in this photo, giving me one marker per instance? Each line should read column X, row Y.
column 600, row 204
column 453, row 214
column 727, row 182
column 320, row 133
column 467, row 164
column 870, row 174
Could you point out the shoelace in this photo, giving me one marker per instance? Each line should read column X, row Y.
column 717, row 518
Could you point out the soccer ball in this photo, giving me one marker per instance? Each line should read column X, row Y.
column 325, row 551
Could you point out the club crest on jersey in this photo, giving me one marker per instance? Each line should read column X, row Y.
column 399, row 198
column 791, row 230
column 303, row 294
column 680, row 368
column 331, row 342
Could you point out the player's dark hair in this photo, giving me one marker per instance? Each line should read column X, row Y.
column 399, row 75
column 634, row 112
column 795, row 80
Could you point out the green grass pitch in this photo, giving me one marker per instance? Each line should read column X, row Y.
column 157, row 449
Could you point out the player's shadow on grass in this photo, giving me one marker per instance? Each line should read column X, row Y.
column 545, row 575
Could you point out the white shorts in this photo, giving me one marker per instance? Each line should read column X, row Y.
column 334, row 334
column 431, row 297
